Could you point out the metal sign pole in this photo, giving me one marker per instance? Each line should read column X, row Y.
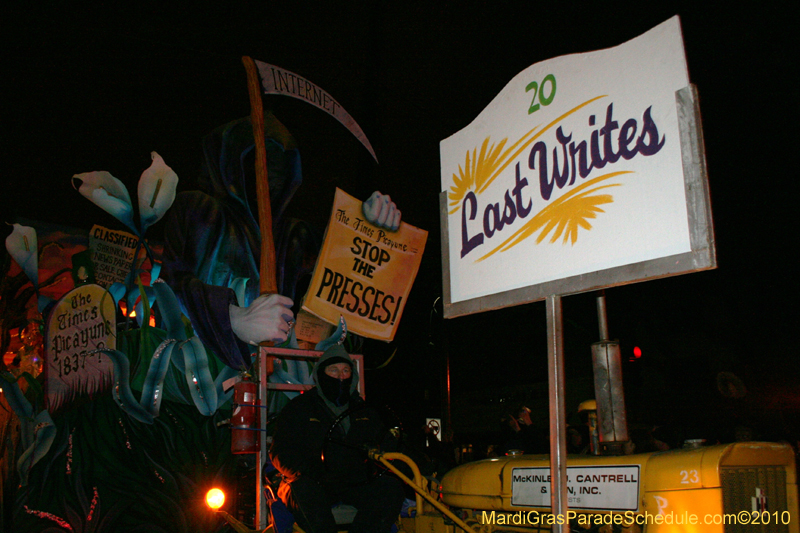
column 558, row 426
column 612, row 422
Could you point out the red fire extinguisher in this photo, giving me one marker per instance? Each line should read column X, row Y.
column 244, row 420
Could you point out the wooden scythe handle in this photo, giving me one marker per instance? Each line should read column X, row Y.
column 266, row 268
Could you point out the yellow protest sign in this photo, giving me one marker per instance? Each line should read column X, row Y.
column 364, row 273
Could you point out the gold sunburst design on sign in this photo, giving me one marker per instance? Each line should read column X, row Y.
column 481, row 168
column 564, row 216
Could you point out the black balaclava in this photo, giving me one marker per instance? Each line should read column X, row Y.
column 336, row 391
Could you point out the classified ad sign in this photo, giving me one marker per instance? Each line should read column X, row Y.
column 364, row 272
column 112, row 254
column 574, row 167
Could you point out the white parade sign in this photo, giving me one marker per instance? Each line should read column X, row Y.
column 602, row 488
column 574, row 170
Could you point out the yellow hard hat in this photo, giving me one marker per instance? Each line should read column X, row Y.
column 588, row 405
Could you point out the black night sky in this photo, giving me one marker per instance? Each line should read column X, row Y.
column 99, row 89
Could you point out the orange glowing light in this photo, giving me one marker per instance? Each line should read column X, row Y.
column 215, row 498
column 124, row 309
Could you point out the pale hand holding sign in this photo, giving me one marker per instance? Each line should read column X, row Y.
column 381, row 211
column 266, row 319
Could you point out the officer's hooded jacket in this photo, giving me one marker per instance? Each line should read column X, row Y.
column 303, row 427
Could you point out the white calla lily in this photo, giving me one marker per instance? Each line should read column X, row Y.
column 108, row 193
column 22, row 245
column 156, row 191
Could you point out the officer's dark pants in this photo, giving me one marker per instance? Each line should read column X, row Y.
column 378, row 504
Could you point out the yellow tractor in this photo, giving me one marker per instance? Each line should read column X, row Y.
column 744, row 486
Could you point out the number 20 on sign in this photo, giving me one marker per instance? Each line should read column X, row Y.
column 538, row 88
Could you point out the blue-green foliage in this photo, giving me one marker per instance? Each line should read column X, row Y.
column 187, row 354
column 147, row 477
